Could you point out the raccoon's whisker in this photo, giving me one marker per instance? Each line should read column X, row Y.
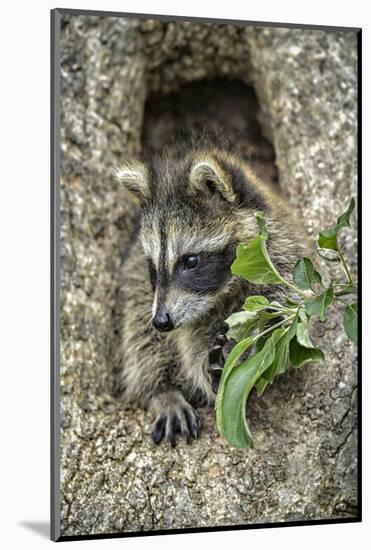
column 147, row 318
column 147, row 315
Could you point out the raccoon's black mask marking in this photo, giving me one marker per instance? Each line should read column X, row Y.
column 209, row 275
column 152, row 274
column 212, row 271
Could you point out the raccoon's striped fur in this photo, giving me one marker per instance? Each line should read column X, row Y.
column 196, row 205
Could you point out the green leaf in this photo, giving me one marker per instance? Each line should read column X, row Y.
column 305, row 276
column 260, row 343
column 231, row 404
column 319, row 305
column 300, row 355
column 302, row 336
column 252, row 260
column 329, row 238
column 254, row 265
column 241, row 323
column 255, row 303
column 302, row 331
column 230, row 364
column 261, row 384
column 344, row 219
column 259, row 215
column 279, row 363
column 350, row 321
column 232, row 360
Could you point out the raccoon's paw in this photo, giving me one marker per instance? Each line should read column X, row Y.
column 176, row 418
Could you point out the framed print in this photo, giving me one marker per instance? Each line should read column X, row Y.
column 205, row 265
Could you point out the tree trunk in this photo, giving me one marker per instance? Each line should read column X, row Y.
column 304, row 465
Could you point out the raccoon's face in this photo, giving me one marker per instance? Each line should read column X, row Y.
column 188, row 232
column 188, row 262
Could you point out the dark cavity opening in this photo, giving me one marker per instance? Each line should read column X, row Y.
column 228, row 107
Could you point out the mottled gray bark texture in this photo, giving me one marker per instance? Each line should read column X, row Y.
column 304, row 465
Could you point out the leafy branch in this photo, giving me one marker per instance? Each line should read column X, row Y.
column 276, row 335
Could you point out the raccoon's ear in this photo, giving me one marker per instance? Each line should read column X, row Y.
column 207, row 175
column 133, row 174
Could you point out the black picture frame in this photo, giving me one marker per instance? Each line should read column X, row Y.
column 55, row 273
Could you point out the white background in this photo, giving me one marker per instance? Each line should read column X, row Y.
column 24, row 269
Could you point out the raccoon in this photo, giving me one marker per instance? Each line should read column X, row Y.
column 196, row 205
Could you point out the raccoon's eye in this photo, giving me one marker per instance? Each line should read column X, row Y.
column 190, row 262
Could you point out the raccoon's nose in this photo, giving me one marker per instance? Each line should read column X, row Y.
column 162, row 321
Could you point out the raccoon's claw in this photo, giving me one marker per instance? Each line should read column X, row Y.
column 193, row 423
column 158, row 429
column 183, row 422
